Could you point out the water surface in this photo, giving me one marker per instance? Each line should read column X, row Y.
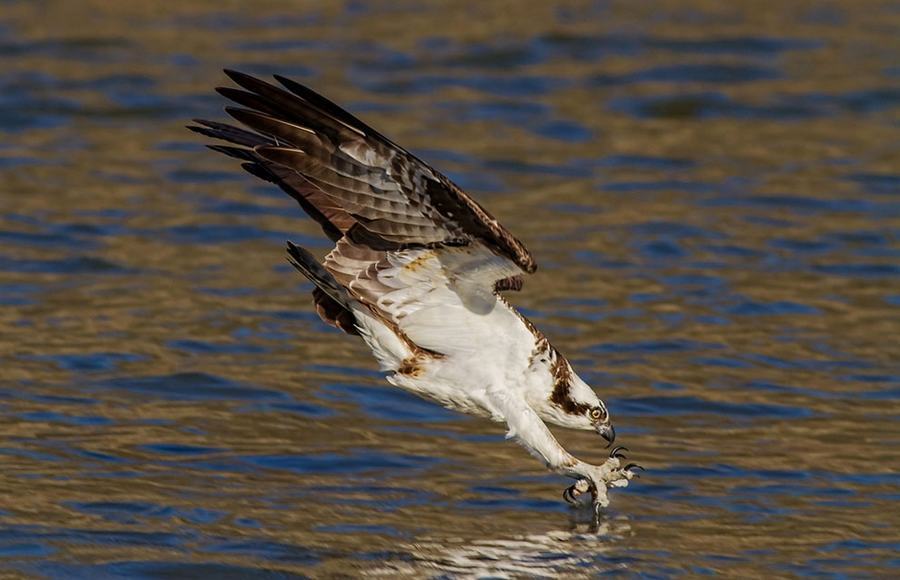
column 710, row 190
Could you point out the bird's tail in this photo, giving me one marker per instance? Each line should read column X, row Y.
column 333, row 304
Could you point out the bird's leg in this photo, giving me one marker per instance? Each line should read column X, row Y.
column 531, row 432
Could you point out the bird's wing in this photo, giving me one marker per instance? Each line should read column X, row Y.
column 410, row 244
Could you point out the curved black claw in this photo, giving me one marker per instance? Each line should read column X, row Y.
column 578, row 488
column 631, row 466
column 617, row 452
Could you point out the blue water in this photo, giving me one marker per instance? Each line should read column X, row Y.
column 710, row 192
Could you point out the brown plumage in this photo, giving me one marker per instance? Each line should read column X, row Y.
column 368, row 194
column 562, row 383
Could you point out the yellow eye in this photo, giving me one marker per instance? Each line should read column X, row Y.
column 596, row 414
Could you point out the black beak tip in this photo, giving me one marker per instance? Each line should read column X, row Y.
column 609, row 435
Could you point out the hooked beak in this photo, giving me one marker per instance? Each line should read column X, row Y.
column 608, row 432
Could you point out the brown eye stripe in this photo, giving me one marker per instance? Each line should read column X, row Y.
column 561, row 397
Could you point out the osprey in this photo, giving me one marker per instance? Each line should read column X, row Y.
column 416, row 272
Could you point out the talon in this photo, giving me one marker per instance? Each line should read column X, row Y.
column 571, row 493
column 631, row 466
column 617, row 452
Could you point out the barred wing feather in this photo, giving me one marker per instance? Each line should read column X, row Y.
column 409, row 242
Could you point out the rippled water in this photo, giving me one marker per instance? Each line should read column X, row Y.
column 710, row 189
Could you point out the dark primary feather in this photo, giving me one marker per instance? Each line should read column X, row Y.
column 333, row 220
column 228, row 133
column 331, row 108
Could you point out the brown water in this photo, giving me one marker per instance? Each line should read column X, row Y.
column 710, row 188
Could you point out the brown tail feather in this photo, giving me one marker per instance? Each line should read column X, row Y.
column 332, row 301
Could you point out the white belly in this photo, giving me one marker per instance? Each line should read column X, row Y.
column 480, row 350
column 465, row 394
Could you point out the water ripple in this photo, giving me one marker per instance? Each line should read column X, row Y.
column 710, row 192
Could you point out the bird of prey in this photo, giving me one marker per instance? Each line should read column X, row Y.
column 417, row 272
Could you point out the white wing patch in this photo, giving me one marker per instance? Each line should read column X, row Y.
column 441, row 299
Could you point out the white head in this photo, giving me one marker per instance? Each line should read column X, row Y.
column 570, row 402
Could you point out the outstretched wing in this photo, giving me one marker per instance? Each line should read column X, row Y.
column 407, row 238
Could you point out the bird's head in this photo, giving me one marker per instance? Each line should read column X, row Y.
column 584, row 409
column 573, row 404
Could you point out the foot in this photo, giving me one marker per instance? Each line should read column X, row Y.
column 601, row 477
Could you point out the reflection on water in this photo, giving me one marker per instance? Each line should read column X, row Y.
column 717, row 191
column 543, row 554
